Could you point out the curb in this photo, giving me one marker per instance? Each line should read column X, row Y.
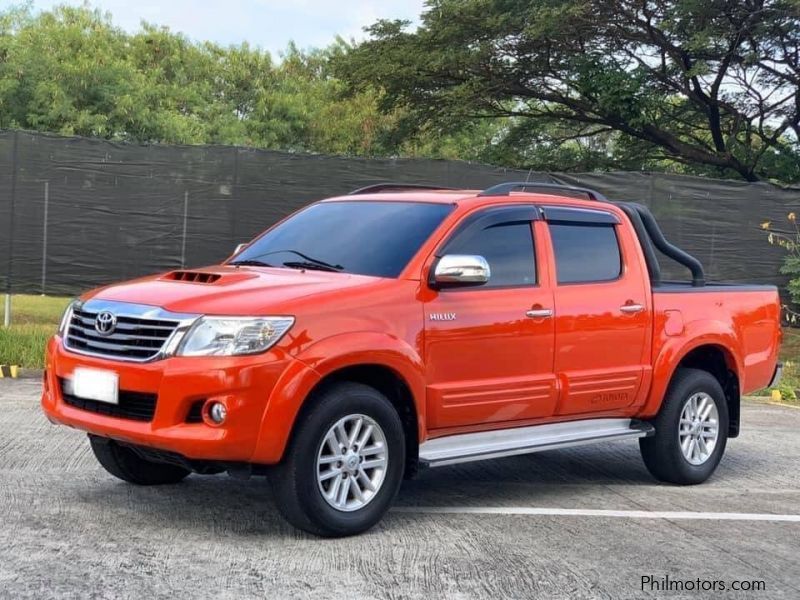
column 784, row 404
column 11, row 371
column 765, row 401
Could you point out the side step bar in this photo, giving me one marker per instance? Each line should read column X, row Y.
column 524, row 440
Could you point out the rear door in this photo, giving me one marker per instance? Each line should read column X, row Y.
column 488, row 359
column 603, row 311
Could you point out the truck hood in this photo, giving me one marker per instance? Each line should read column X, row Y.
column 226, row 290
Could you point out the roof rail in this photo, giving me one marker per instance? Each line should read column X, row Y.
column 504, row 189
column 395, row 187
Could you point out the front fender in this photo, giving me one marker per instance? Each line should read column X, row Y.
column 323, row 358
column 703, row 332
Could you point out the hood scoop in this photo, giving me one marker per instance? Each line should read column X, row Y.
column 218, row 276
column 192, row 276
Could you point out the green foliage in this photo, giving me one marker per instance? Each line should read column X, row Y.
column 701, row 87
column 71, row 71
column 791, row 267
column 788, row 238
column 561, row 85
column 787, row 391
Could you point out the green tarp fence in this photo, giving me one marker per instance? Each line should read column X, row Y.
column 76, row 213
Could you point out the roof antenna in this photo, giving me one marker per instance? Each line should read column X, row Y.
column 528, row 178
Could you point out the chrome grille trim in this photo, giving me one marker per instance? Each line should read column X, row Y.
column 90, row 322
column 143, row 333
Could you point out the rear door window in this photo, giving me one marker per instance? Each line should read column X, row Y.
column 585, row 252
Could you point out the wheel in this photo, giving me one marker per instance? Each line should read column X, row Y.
column 344, row 464
column 691, row 430
column 125, row 464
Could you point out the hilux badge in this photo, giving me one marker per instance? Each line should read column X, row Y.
column 443, row 316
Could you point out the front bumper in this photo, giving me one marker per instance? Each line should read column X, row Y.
column 245, row 384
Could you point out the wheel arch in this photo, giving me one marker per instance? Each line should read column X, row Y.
column 382, row 362
column 719, row 361
column 388, row 382
column 716, row 356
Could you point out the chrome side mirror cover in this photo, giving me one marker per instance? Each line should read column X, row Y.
column 460, row 269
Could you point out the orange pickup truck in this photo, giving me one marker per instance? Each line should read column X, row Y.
column 400, row 327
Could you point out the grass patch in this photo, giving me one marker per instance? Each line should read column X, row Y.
column 33, row 320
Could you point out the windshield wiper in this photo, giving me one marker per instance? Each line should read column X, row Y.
column 250, row 263
column 308, row 262
column 315, row 266
column 311, row 260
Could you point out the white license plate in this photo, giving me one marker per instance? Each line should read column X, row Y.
column 94, row 384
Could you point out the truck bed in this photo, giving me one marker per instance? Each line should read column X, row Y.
column 747, row 315
column 668, row 287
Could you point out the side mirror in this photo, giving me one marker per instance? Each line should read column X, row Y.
column 460, row 269
column 239, row 248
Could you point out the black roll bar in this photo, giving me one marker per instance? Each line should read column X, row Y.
column 668, row 249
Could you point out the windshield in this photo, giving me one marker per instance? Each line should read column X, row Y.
column 365, row 238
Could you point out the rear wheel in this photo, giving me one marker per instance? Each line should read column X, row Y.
column 125, row 464
column 691, row 430
column 345, row 462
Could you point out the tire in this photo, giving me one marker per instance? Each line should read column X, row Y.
column 123, row 463
column 663, row 454
column 296, row 485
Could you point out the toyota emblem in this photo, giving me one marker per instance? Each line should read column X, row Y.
column 105, row 323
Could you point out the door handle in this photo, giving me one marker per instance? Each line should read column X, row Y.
column 631, row 308
column 539, row 313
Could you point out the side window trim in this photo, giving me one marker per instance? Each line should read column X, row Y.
column 489, row 217
column 563, row 214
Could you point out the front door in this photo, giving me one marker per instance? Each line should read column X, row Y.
column 489, row 349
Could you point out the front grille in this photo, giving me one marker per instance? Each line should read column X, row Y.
column 137, row 406
column 133, row 338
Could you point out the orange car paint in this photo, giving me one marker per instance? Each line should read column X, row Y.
column 491, row 368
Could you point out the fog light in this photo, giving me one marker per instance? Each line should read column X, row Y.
column 217, row 413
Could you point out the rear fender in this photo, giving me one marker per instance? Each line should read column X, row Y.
column 674, row 349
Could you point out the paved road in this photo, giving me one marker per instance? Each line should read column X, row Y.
column 70, row 530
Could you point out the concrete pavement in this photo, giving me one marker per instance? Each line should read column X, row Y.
column 587, row 522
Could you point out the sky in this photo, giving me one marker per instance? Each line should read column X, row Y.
column 268, row 24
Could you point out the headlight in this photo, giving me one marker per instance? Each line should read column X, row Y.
column 233, row 336
column 66, row 318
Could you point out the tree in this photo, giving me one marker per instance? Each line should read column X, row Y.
column 710, row 83
column 71, row 71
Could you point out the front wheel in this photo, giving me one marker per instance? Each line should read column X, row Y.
column 691, row 430
column 345, row 462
